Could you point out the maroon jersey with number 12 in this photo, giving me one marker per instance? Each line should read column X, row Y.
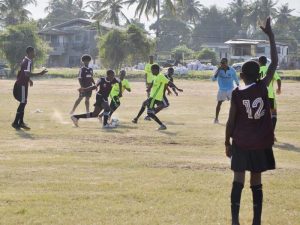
column 253, row 126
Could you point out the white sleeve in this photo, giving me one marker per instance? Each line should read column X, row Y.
column 28, row 69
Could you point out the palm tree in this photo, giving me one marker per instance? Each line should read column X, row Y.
column 151, row 8
column 14, row 12
column 239, row 9
column 190, row 10
column 284, row 15
column 108, row 11
column 267, row 8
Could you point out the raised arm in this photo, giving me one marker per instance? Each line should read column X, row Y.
column 274, row 57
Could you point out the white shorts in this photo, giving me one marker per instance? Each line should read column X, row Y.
column 224, row 95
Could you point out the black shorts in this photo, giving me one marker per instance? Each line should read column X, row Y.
column 272, row 103
column 252, row 160
column 85, row 94
column 115, row 102
column 20, row 93
column 101, row 102
column 152, row 102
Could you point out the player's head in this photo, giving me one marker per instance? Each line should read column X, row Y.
column 250, row 72
column 224, row 63
column 155, row 69
column 262, row 60
column 122, row 74
column 151, row 59
column 30, row 52
column 171, row 71
column 110, row 74
column 86, row 59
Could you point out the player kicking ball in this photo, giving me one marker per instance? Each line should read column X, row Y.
column 21, row 87
column 251, row 130
column 105, row 85
column 156, row 96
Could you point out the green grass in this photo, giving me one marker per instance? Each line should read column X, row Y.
column 57, row 174
column 139, row 74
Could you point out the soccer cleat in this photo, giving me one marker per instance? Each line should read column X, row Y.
column 162, row 127
column 24, row 126
column 75, row 121
column 135, row 120
column 216, row 121
column 109, row 126
column 147, row 118
column 16, row 126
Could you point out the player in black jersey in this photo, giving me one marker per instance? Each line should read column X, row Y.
column 105, row 85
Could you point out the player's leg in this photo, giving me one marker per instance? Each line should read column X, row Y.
column 114, row 105
column 106, row 113
column 218, row 109
column 76, row 103
column 142, row 110
column 257, row 194
column 87, row 104
column 236, row 193
column 151, row 114
column 160, row 107
column 19, row 115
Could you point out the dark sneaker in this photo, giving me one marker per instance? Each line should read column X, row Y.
column 134, row 120
column 162, row 127
column 16, row 126
column 24, row 126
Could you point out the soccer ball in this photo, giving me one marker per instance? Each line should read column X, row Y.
column 115, row 122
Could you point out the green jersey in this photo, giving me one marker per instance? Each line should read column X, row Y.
column 149, row 74
column 158, row 87
column 263, row 71
column 115, row 88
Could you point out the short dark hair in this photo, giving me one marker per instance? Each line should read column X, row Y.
column 86, row 58
column 155, row 67
column 123, row 71
column 110, row 72
column 29, row 49
column 171, row 69
column 224, row 60
column 251, row 70
column 263, row 60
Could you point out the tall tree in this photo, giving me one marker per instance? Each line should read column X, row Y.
column 189, row 10
column 60, row 11
column 238, row 10
column 284, row 15
column 109, row 11
column 151, row 8
column 22, row 35
column 14, row 12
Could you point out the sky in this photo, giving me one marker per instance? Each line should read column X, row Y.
column 38, row 11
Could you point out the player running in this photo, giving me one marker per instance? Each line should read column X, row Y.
column 250, row 127
column 156, row 96
column 85, row 78
column 105, row 85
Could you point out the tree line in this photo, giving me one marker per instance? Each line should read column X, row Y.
column 177, row 23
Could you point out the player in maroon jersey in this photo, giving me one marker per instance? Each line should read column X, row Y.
column 21, row 87
column 105, row 85
column 85, row 78
column 250, row 128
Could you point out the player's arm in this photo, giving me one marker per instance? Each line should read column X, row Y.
column 230, row 127
column 172, row 85
column 120, row 88
column 149, row 87
column 215, row 76
column 274, row 57
column 30, row 82
column 30, row 74
column 93, row 81
column 278, row 81
column 82, row 89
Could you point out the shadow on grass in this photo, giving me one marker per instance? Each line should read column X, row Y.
column 24, row 134
column 168, row 133
column 287, row 147
column 174, row 123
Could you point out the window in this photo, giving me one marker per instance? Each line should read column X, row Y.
column 260, row 50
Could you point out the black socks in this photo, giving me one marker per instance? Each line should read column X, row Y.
column 236, row 193
column 257, row 194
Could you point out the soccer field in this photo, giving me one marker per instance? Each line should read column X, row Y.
column 135, row 175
